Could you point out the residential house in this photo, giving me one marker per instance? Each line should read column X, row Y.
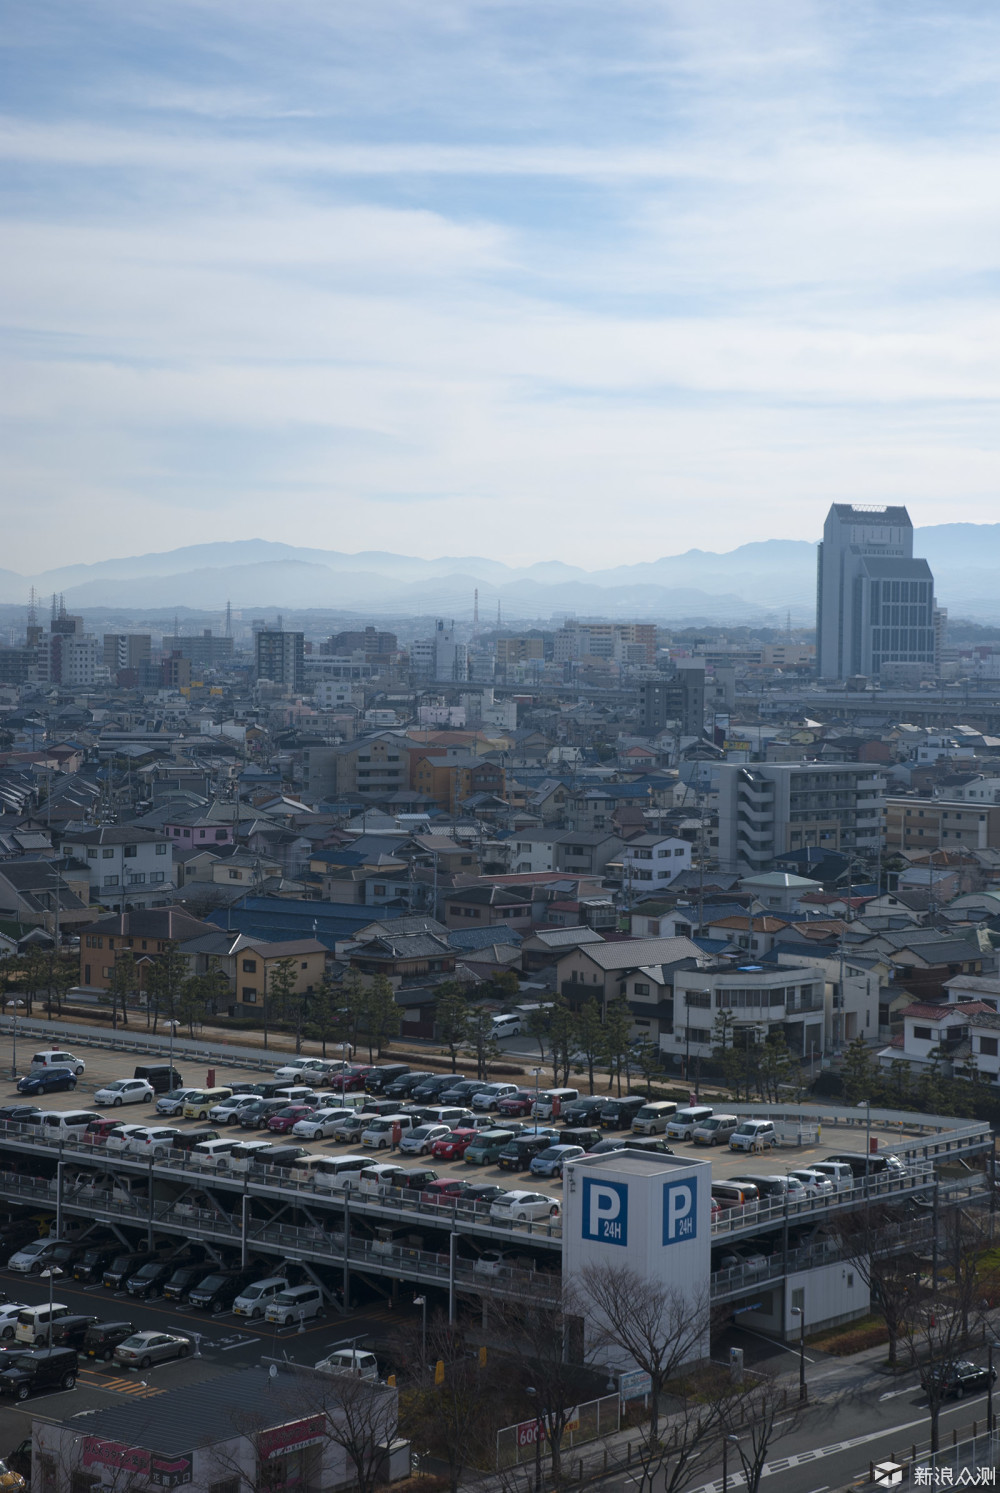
column 144, row 934
column 759, row 1001
column 45, row 893
column 487, row 904
column 127, row 865
column 938, row 1037
column 651, row 862
column 404, row 956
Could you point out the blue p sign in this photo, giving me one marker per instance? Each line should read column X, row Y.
column 605, row 1211
column 680, row 1218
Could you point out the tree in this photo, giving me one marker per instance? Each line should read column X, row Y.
column 647, row 1059
column 539, row 1023
column 751, row 1416
column 870, row 1238
column 61, row 977
column 654, row 1324
column 456, row 1419
column 617, row 1034
column 589, row 1036
column 485, row 1046
column 280, row 995
column 166, row 974
column 34, row 968
column 724, row 1049
column 776, row 1068
column 562, row 1026
column 383, row 1018
column 451, row 1018
column 328, row 1019
column 857, row 1071
column 193, row 999
column 537, row 1362
column 122, row 986
column 354, row 997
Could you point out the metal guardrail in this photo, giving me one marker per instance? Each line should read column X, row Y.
column 151, row 1044
column 752, row 1215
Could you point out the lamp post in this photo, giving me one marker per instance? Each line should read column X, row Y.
column 799, row 1311
column 421, row 1301
column 990, row 1422
column 725, row 1460
column 14, row 1006
column 51, row 1275
column 173, row 1024
column 536, row 1072
column 538, row 1443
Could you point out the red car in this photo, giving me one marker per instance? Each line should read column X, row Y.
column 453, row 1146
column 283, row 1121
column 443, row 1191
column 97, row 1131
column 352, row 1082
column 517, row 1104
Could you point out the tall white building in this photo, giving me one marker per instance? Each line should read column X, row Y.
column 767, row 809
column 875, row 609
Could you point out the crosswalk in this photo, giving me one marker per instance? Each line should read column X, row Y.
column 138, row 1389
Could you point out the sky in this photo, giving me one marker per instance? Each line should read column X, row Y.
column 549, row 280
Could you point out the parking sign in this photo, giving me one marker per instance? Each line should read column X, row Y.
column 680, row 1216
column 605, row 1211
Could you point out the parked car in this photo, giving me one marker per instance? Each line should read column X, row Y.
column 516, row 1104
column 218, row 1290
column 308, row 1070
column 58, row 1057
column 282, row 1122
column 255, row 1298
column 200, row 1101
column 878, row 1164
column 148, row 1281
column 102, row 1338
column 402, row 1087
column 481, row 1194
column 119, row 1138
column 489, row 1096
column 463, row 1092
column 47, row 1081
column 715, row 1130
column 585, row 1111
column 143, row 1349
column 839, row 1173
column 618, row 1114
column 124, row 1264
column 428, row 1091
column 353, row 1361
column 681, row 1124
column 184, row 1279
column 321, row 1124
column 815, row 1183
column 162, row 1077
column 63, row 1124
column 172, row 1103
column 521, row 1150
column 152, row 1140
column 453, row 1146
column 413, row 1178
column 227, row 1111
column 8, row 1318
column 486, row 1148
column 125, row 1091
column 17, row 1114
column 94, row 1261
column 69, row 1331
column 33, row 1257
column 443, row 1190
column 378, row 1134
column 351, row 1126
column 420, row 1141
column 550, row 1162
column 38, row 1369
column 524, row 1207
column 256, row 1115
column 754, row 1135
column 351, row 1082
column 377, row 1079
column 296, row 1304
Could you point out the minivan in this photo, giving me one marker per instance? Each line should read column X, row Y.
column 878, row 1163
column 197, row 1105
column 731, row 1194
column 579, row 1135
column 340, row 1172
column 295, row 1304
column 551, row 1102
column 45, row 1368
column 102, row 1338
column 243, row 1153
column 681, row 1127
column 255, row 1299
column 64, row 1124
column 487, row 1147
column 519, row 1152
column 772, row 1189
column 654, row 1117
column 379, row 1078
column 160, row 1077
column 379, row 1134
column 506, row 1025
column 618, row 1114
column 219, row 1290
column 212, row 1153
column 186, row 1140
column 350, row 1361
column 715, row 1130
column 33, row 1321
column 57, row 1057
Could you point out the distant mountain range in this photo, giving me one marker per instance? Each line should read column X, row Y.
column 754, row 583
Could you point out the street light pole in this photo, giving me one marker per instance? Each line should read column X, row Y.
column 14, row 1006
column 725, row 1460
column 52, row 1272
column 799, row 1311
column 421, row 1301
column 173, row 1025
column 536, row 1072
column 989, row 1388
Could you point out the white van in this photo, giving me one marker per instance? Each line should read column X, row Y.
column 682, row 1126
column 304, row 1170
column 340, row 1172
column 350, row 1361
column 654, row 1117
column 715, row 1130
column 378, row 1135
column 33, row 1321
column 65, row 1124
column 57, row 1057
column 254, row 1300
column 505, row 1026
column 551, row 1103
column 295, row 1305
column 212, row 1153
column 244, row 1152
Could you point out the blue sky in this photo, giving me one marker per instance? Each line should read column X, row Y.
column 547, row 280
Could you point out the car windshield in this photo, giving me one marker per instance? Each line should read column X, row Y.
column 135, row 1341
column 423, row 1131
column 119, row 1083
column 212, row 1282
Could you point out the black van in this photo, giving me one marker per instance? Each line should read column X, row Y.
column 283, row 1156
column 161, row 1076
column 649, row 1143
column 102, row 1338
column 380, row 1078
column 519, row 1153
column 578, row 1135
column 217, row 1292
column 877, row 1164
column 184, row 1279
column 618, row 1114
column 40, row 1368
column 428, row 1091
column 585, row 1111
column 265, row 1090
column 93, row 1263
column 70, row 1332
column 125, row 1264
column 186, row 1140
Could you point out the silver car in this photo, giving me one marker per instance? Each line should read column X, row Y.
column 145, row 1348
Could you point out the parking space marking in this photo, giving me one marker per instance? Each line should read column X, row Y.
column 136, row 1388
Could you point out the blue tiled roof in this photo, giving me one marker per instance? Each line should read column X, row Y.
column 285, row 917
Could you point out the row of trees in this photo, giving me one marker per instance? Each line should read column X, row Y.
column 931, row 1091
column 39, row 974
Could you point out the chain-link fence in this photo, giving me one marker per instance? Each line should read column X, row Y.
column 588, row 1422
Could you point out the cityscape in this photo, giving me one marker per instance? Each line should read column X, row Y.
column 499, row 748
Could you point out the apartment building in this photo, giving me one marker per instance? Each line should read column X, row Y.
column 760, row 1003
column 769, row 809
column 937, row 823
column 127, row 866
column 280, row 657
column 651, row 862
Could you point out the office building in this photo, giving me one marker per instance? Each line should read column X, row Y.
column 771, row 808
column 281, row 657
column 674, row 699
column 875, row 611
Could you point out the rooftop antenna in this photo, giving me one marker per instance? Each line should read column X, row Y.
column 177, row 629
column 32, row 608
column 281, row 623
column 229, row 619
column 475, row 614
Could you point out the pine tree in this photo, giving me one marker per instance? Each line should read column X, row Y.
column 856, row 1071
column 617, row 1034
column 451, row 1018
column 167, row 974
column 589, row 1035
column 383, row 1017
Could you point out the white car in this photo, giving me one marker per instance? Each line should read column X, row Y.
column 420, row 1142
column 120, row 1139
column 228, row 1111
column 8, row 1317
column 490, row 1097
column 839, row 1173
column 126, row 1091
column 321, row 1125
column 309, row 1070
column 815, row 1184
column 30, row 1258
column 521, row 1207
column 149, row 1140
column 57, row 1058
column 174, row 1102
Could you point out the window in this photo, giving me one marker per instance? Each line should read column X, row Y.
column 234, row 875
column 136, row 878
column 111, row 881
column 107, row 971
column 923, row 1033
column 249, row 966
column 640, row 987
column 988, row 1047
column 131, row 851
column 249, row 995
column 91, row 855
column 156, row 876
column 161, row 850
column 107, row 853
column 220, row 834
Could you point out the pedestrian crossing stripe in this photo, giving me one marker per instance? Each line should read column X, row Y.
column 133, row 1387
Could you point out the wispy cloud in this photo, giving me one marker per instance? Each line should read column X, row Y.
column 549, row 282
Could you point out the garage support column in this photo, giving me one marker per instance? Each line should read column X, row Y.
column 244, row 1218
column 451, row 1277
column 347, row 1251
column 59, row 1196
column 149, row 1208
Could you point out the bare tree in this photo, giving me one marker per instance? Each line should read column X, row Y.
column 752, row 1416
column 656, row 1326
column 456, row 1419
column 540, row 1344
